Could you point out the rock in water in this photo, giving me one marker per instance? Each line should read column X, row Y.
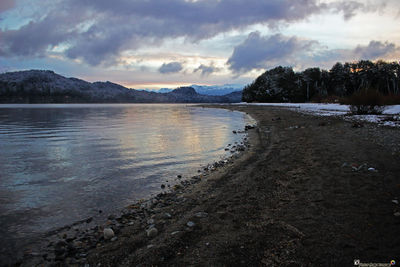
column 152, row 232
column 108, row 233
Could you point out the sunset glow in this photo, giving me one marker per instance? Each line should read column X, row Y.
column 157, row 45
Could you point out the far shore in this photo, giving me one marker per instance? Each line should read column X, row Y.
column 308, row 191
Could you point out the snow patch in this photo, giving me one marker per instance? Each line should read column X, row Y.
column 390, row 116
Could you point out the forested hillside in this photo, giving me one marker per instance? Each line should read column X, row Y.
column 39, row 86
column 283, row 84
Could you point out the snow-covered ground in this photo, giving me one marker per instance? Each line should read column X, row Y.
column 390, row 116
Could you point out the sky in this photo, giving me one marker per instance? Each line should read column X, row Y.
column 170, row 43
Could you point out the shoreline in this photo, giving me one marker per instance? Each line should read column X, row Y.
column 47, row 249
column 288, row 200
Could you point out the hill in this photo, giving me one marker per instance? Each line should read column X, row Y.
column 44, row 86
column 283, row 84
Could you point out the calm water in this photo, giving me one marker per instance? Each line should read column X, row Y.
column 63, row 163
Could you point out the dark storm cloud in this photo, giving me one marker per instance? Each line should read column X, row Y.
column 350, row 8
column 98, row 31
column 6, row 5
column 36, row 37
column 206, row 70
column 260, row 52
column 171, row 67
column 375, row 50
column 100, row 45
column 32, row 39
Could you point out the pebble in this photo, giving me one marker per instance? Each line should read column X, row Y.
column 114, row 239
column 152, row 232
column 397, row 214
column 78, row 244
column 150, row 246
column 395, row 201
column 167, row 215
column 190, row 224
column 108, row 233
column 176, row 232
column 372, row 169
column 201, row 214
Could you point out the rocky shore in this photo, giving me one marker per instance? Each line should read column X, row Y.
column 307, row 191
column 70, row 244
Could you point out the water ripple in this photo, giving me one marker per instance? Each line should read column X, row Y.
column 59, row 163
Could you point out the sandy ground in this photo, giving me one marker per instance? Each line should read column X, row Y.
column 310, row 191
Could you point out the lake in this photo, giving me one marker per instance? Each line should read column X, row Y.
column 63, row 163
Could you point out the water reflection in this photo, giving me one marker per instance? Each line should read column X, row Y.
column 62, row 163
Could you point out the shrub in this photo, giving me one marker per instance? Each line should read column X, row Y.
column 391, row 99
column 367, row 101
column 327, row 99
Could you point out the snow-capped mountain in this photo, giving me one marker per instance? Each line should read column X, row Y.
column 217, row 89
column 212, row 90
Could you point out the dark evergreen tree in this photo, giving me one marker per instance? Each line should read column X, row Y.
column 282, row 84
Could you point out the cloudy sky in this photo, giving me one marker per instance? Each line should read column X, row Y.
column 170, row 43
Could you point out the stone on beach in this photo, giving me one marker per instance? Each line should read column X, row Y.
column 152, row 232
column 108, row 233
column 167, row 215
column 190, row 224
column 201, row 214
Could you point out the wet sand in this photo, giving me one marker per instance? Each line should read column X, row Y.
column 309, row 191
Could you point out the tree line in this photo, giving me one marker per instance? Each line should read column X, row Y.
column 283, row 84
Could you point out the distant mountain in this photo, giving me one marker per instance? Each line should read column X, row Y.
column 217, row 89
column 38, row 86
column 164, row 90
column 208, row 89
